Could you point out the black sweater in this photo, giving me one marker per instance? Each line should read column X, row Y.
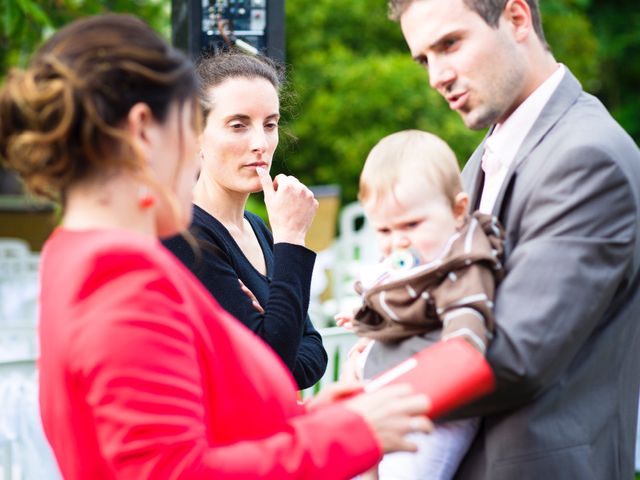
column 283, row 293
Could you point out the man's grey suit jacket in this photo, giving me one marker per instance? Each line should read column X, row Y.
column 567, row 349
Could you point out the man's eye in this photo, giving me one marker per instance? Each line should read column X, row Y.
column 449, row 44
column 237, row 126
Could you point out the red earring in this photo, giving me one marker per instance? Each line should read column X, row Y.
column 145, row 199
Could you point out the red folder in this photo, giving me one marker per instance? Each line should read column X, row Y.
column 451, row 373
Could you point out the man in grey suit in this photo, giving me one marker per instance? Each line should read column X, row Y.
column 564, row 179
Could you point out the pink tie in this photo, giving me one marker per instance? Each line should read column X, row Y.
column 491, row 163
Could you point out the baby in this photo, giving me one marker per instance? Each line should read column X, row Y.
column 436, row 282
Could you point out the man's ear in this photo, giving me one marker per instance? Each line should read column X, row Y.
column 140, row 124
column 518, row 15
column 460, row 208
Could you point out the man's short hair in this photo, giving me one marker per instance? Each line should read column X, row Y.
column 489, row 10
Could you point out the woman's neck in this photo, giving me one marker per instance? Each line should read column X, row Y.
column 111, row 204
column 224, row 205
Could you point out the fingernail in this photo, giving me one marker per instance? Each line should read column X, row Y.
column 260, row 170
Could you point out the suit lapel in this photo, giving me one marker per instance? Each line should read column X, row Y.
column 473, row 176
column 562, row 99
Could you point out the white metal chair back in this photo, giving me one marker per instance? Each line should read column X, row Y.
column 18, row 282
column 24, row 452
column 356, row 246
column 337, row 342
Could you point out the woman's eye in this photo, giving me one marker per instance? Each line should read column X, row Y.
column 237, row 126
column 271, row 126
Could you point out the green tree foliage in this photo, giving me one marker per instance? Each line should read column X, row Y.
column 24, row 24
column 617, row 26
column 570, row 33
column 355, row 81
column 352, row 80
column 358, row 100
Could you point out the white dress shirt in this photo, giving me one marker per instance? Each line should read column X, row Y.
column 507, row 137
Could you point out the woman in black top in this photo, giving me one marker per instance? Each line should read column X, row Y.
column 260, row 278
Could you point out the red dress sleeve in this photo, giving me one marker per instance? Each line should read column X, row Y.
column 159, row 413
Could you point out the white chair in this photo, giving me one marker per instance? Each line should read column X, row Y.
column 24, row 451
column 339, row 265
column 27, row 455
column 356, row 246
column 6, row 459
column 337, row 342
column 18, row 283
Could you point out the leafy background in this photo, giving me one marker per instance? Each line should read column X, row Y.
column 356, row 82
column 352, row 81
column 351, row 78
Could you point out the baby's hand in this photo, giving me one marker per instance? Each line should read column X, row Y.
column 344, row 320
column 352, row 368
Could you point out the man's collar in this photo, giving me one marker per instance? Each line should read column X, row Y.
column 506, row 137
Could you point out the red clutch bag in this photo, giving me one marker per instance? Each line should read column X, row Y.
column 451, row 373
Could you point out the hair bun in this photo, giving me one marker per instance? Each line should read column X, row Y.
column 36, row 115
column 60, row 119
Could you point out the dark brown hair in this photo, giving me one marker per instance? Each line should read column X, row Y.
column 489, row 10
column 212, row 70
column 61, row 117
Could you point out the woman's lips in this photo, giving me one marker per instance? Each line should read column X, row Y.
column 257, row 164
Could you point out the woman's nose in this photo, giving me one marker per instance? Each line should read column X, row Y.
column 258, row 141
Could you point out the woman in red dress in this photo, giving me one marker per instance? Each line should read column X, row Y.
column 142, row 374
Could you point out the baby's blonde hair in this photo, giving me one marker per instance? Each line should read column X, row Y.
column 409, row 154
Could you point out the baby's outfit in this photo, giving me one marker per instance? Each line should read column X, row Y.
column 408, row 308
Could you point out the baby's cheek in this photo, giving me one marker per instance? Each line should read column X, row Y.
column 384, row 245
column 430, row 249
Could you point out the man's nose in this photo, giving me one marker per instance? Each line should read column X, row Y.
column 441, row 74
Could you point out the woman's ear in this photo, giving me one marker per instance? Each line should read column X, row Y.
column 141, row 125
column 460, row 208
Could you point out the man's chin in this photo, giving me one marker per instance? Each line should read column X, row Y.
column 475, row 120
